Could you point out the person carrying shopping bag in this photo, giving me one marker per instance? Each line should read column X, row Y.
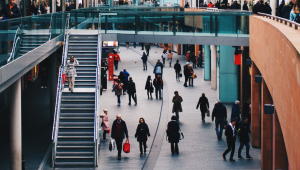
column 142, row 133
column 118, row 132
column 71, row 72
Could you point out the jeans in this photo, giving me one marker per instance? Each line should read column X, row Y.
column 202, row 114
column 131, row 95
column 104, row 134
column 170, row 61
column 231, row 146
column 194, row 64
column 119, row 142
column 141, row 148
column 148, row 92
column 145, row 65
column 177, row 115
column 119, row 101
column 116, row 64
column 242, row 146
column 177, row 75
column 158, row 89
column 191, row 80
column 219, row 121
column 147, row 51
column 176, row 150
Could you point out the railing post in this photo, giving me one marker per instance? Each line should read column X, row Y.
column 211, row 25
column 174, row 24
column 216, row 25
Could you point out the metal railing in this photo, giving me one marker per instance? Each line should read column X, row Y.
column 16, row 39
column 281, row 20
column 50, row 27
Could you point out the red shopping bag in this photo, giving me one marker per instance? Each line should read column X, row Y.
column 64, row 78
column 126, row 146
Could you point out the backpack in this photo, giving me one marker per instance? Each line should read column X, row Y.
column 120, row 87
column 297, row 19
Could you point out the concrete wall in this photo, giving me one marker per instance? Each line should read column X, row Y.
column 274, row 48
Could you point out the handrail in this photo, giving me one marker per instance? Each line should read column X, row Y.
column 291, row 23
column 65, row 41
column 50, row 27
column 14, row 46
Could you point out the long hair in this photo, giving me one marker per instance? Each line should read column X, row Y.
column 143, row 120
column 296, row 7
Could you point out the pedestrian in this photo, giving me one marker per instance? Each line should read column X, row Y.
column 177, row 68
column 142, row 45
column 245, row 6
column 117, row 59
column 230, row 134
column 243, row 132
column 268, row 9
column 286, row 10
column 164, row 55
column 234, row 5
column 44, row 77
column 41, row 8
column 158, row 84
column 148, row 48
column 118, row 132
column 220, row 113
column 131, row 91
column 280, row 9
column 71, row 72
column 261, row 7
column 127, row 44
column 173, row 134
column 149, row 87
column 121, row 77
column 33, row 8
column 191, row 78
column 193, row 59
column 210, row 5
column 177, row 104
column 255, row 8
column 236, row 113
column 199, row 59
column 105, row 124
column 204, row 5
column 204, row 106
column 142, row 133
column 118, row 90
column 188, row 56
column 125, row 81
column 11, row 10
column 247, row 112
column 187, row 5
column 145, row 59
column 158, row 69
column 186, row 73
column 170, row 57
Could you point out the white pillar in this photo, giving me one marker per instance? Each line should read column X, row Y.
column 273, row 6
column 213, row 67
column 242, row 3
column 15, row 126
column 76, row 3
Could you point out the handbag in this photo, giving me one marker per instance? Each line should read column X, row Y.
column 180, row 74
column 194, row 75
column 126, row 146
column 181, row 136
column 64, row 78
column 207, row 112
column 112, row 145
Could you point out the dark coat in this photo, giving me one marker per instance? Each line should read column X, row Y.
column 186, row 71
column 245, row 7
column 268, row 9
column 234, row 6
column 142, row 132
column 15, row 10
column 43, row 9
column 156, row 83
column 244, row 130
column 203, row 102
column 280, row 8
column 131, row 87
column 246, row 110
column 261, row 8
column 193, row 58
column 235, row 112
column 177, row 67
column 177, row 101
column 229, row 134
column 123, row 129
column 34, row 10
column 149, row 85
column 219, row 111
column 121, row 77
column 255, row 8
column 172, row 132
column 191, row 71
column 144, row 57
column 158, row 65
column 286, row 10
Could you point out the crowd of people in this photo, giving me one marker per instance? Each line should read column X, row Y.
column 289, row 10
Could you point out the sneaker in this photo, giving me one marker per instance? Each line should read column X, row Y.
column 119, row 104
column 141, row 154
column 42, row 87
column 249, row 157
column 119, row 157
column 240, row 158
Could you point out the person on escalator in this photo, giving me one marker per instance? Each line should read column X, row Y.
column 71, row 72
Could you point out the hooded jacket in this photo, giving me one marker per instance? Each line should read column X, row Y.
column 219, row 111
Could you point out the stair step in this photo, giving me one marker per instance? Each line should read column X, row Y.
column 74, row 157
column 77, row 114
column 75, row 153
column 75, row 143
column 76, row 127
column 76, row 133
column 74, row 163
column 81, row 51
column 80, row 54
column 76, row 117
column 75, row 146
column 75, row 136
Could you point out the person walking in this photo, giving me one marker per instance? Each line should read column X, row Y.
column 125, row 81
column 71, row 72
column 33, row 8
column 131, row 91
column 255, row 7
column 118, row 90
column 245, row 6
column 243, row 132
column 145, row 59
column 164, row 55
column 41, row 8
column 268, row 9
column 158, row 84
column 149, row 87
column 170, row 57
column 220, row 113
column 247, row 112
column 191, row 78
column 148, row 48
column 142, row 133
column 230, row 134
column 44, row 77
column 286, row 10
column 117, row 59
column 204, row 106
column 188, row 56
column 142, row 45
column 177, row 68
column 118, row 132
column 186, row 73
column 199, row 59
column 193, row 59
column 173, row 134
column 158, row 69
column 236, row 113
column 105, row 124
column 177, row 104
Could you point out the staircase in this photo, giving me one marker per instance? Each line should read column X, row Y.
column 75, row 140
column 32, row 41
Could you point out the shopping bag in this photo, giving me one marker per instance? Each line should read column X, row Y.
column 194, row 75
column 181, row 136
column 64, row 78
column 180, row 74
column 126, row 146
column 207, row 112
column 112, row 145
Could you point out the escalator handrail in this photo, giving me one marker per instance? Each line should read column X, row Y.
column 12, row 54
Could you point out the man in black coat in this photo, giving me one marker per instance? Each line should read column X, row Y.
column 186, row 73
column 230, row 133
column 131, row 91
column 145, row 59
column 173, row 134
column 118, row 132
column 158, row 84
column 245, row 6
column 234, row 5
column 261, row 7
column 220, row 113
column 11, row 10
column 255, row 8
column 247, row 112
column 243, row 132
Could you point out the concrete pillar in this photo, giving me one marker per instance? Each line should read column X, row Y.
column 279, row 151
column 161, row 29
column 266, row 129
column 213, row 77
column 76, row 3
column 53, row 6
column 63, row 5
column 273, row 4
column 255, row 131
column 179, row 49
column 53, row 84
column 15, row 126
column 182, row 3
column 245, row 89
column 170, row 30
column 206, row 62
column 197, row 50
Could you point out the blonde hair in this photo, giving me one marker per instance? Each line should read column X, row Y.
column 287, row 3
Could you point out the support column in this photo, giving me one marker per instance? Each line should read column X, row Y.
column 15, row 126
column 245, row 95
column 254, row 107
column 206, row 62
column 273, row 4
column 161, row 29
column 170, row 30
column 197, row 50
column 279, row 151
column 63, row 5
column 53, row 6
column 53, row 84
column 266, row 129
column 213, row 78
column 179, row 49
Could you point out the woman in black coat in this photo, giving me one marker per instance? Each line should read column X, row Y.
column 173, row 134
column 149, row 87
column 177, row 68
column 142, row 132
column 204, row 105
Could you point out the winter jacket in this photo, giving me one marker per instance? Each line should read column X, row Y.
column 126, row 75
column 117, row 57
column 177, row 67
column 34, row 10
column 255, row 8
column 117, row 90
column 15, row 10
column 188, row 57
column 124, row 130
column 105, row 122
column 144, row 57
column 121, row 77
column 286, row 10
column 230, row 134
column 193, row 58
column 158, row 65
column 245, row 7
column 131, row 87
column 235, row 112
column 186, row 70
column 172, row 132
column 219, row 111
column 157, row 82
column 243, row 132
column 203, row 102
column 142, row 132
column 149, row 85
column 246, row 110
column 177, row 104
column 42, row 9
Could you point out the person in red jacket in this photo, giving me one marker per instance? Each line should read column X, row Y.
column 210, row 5
column 116, row 60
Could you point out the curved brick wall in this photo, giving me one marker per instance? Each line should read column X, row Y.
column 274, row 48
